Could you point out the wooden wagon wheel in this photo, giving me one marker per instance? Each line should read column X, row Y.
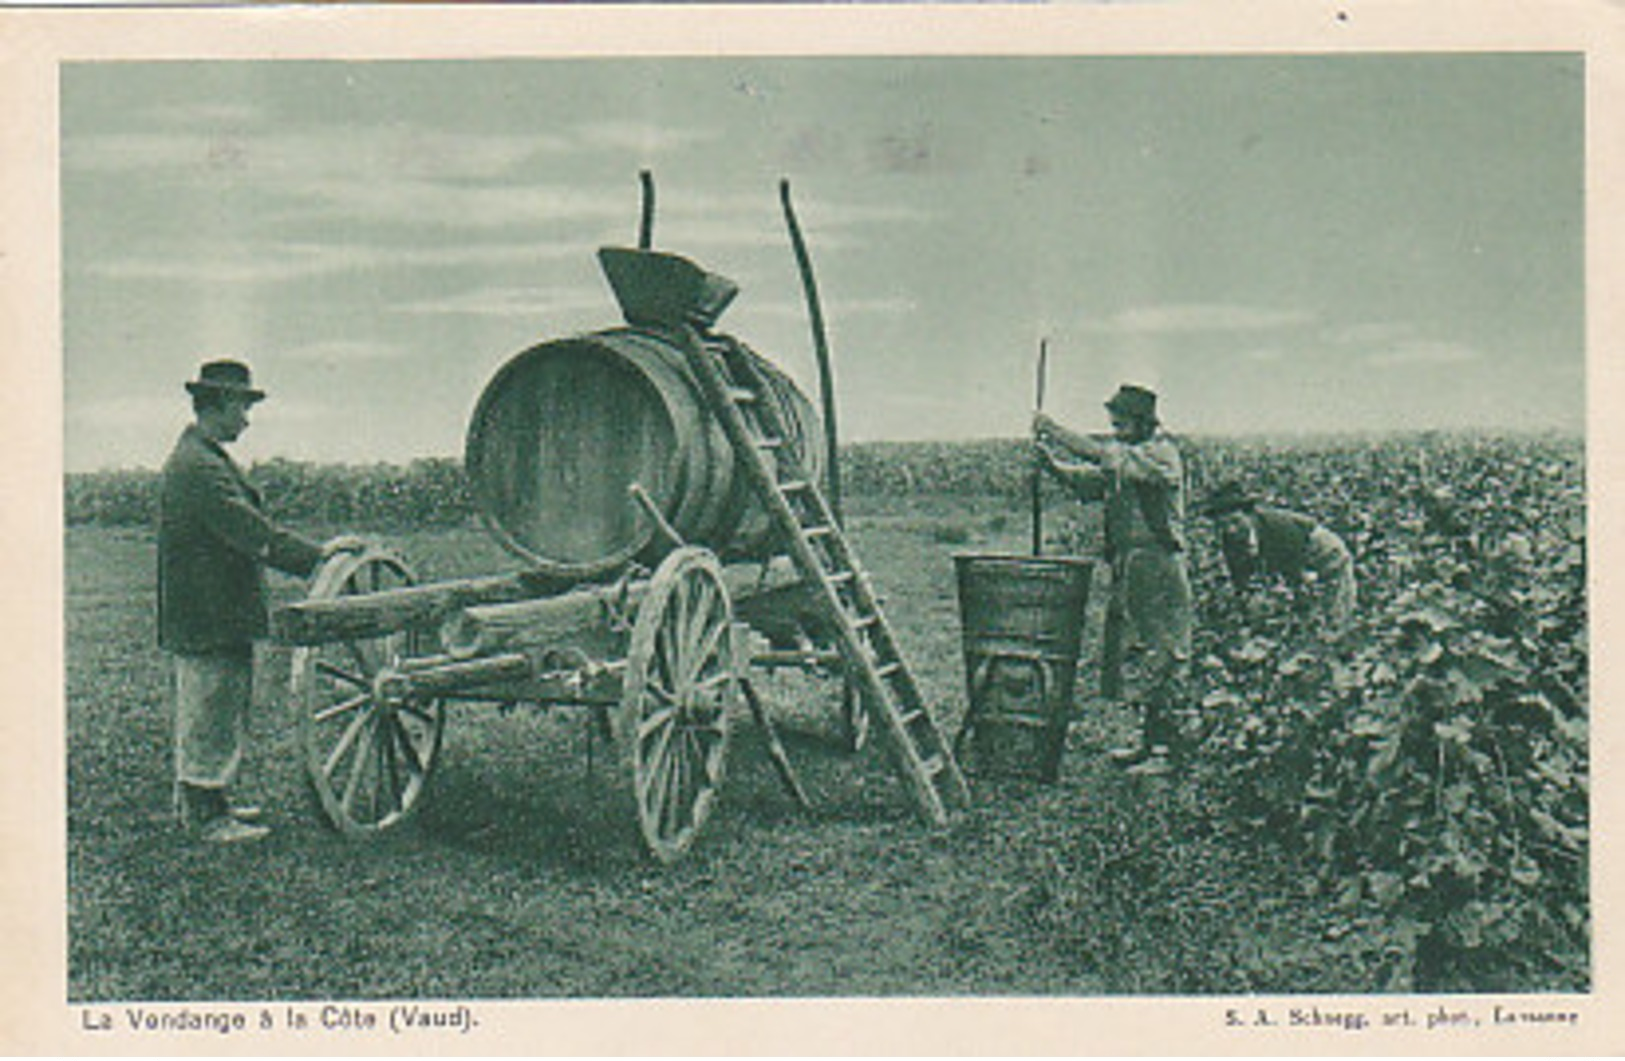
column 680, row 683
column 369, row 751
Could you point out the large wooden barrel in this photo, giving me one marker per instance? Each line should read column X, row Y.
column 565, row 428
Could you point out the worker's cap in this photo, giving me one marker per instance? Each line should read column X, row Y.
column 1230, row 496
column 1133, row 401
column 225, row 377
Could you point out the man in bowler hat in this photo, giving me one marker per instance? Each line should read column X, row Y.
column 1260, row 540
column 1138, row 474
column 214, row 542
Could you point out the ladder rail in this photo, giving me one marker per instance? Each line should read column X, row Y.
column 864, row 637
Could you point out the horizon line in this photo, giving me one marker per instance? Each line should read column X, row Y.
column 1280, row 437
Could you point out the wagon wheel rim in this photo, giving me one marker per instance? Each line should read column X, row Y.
column 854, row 716
column 680, row 683
column 368, row 757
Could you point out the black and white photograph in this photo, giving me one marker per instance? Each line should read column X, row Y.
column 957, row 513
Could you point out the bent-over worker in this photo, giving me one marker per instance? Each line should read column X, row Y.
column 1260, row 540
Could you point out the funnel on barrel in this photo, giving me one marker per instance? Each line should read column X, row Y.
column 1022, row 624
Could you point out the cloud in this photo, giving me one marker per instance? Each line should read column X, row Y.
column 215, row 264
column 1370, row 334
column 838, row 309
column 633, row 136
column 511, row 302
column 696, row 232
column 217, row 141
column 1198, row 317
column 344, row 350
column 1390, row 343
column 127, row 153
column 206, row 112
column 1423, row 352
column 407, row 201
column 130, row 410
column 287, row 261
column 353, row 153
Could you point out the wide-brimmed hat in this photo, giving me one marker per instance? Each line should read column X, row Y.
column 1134, row 401
column 225, row 377
column 1230, row 496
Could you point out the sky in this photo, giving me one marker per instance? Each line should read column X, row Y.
column 1274, row 243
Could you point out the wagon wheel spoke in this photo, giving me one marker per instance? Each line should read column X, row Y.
column 714, row 681
column 341, row 707
column 391, row 754
column 672, row 810
column 368, row 761
column 409, row 751
column 358, row 766
column 692, row 624
column 706, row 653
column 661, row 718
column 345, row 743
column 660, row 751
column 676, row 691
column 333, row 670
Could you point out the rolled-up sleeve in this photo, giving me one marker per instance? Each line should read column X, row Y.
column 1086, row 483
column 1156, row 461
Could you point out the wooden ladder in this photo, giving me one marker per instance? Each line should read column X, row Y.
column 738, row 394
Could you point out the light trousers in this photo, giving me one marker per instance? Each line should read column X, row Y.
column 213, row 693
column 1334, row 572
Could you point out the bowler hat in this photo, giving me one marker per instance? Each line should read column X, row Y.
column 1134, row 402
column 225, row 377
column 1230, row 496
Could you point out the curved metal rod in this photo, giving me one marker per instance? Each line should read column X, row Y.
column 826, row 374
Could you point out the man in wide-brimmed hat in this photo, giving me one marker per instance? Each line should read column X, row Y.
column 1259, row 540
column 1138, row 474
column 214, row 541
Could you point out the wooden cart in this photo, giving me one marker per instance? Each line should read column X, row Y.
column 647, row 627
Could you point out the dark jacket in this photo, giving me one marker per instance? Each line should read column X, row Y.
column 214, row 541
column 1276, row 542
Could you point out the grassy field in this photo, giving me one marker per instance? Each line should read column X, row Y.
column 523, row 877
column 1407, row 815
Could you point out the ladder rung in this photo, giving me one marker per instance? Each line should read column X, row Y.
column 818, row 530
column 770, row 443
column 795, row 486
column 934, row 765
column 886, row 670
column 863, row 622
column 741, row 394
column 839, row 578
column 911, row 717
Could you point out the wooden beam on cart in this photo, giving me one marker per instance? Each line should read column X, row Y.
column 492, row 628
column 361, row 616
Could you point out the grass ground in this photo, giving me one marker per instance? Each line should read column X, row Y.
column 523, row 877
